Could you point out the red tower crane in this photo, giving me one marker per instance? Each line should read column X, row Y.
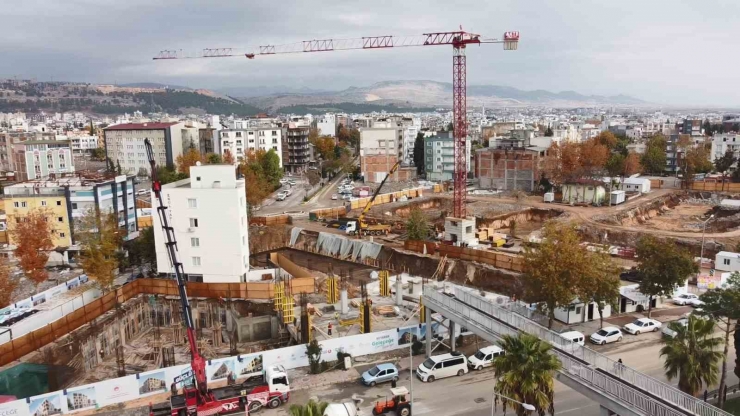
column 459, row 41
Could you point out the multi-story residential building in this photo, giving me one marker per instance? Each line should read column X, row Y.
column 152, row 384
column 35, row 159
column 411, row 127
column 47, row 408
column 439, row 156
column 240, row 142
column 724, row 142
column 83, row 144
column 206, row 141
column 124, row 145
column 72, row 197
column 9, row 139
column 327, row 124
column 208, row 213
column 21, row 199
column 296, row 150
column 381, row 146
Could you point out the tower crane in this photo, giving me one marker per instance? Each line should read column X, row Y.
column 459, row 41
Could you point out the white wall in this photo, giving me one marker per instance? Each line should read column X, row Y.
column 221, row 233
column 727, row 261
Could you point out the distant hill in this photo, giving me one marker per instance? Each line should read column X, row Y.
column 438, row 94
column 350, row 108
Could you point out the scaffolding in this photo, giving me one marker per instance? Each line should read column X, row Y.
column 385, row 288
column 332, row 290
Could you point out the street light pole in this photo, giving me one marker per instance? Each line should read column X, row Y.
column 411, row 378
column 528, row 407
column 701, row 255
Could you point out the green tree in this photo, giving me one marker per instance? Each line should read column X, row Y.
column 213, row 159
column 417, row 225
column 725, row 162
column 118, row 167
column 450, row 126
column 419, row 153
column 602, row 287
column 312, row 408
column 270, row 162
column 354, row 138
column 615, row 164
column 691, row 355
column 654, row 159
column 559, row 270
column 313, row 352
column 166, row 174
column 549, row 132
column 142, row 251
column 723, row 305
column 525, row 373
column 662, row 266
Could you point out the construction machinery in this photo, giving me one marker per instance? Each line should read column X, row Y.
column 358, row 226
column 268, row 389
column 398, row 403
column 459, row 41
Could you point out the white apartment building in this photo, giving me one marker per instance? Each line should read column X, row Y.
column 410, row 130
column 124, row 144
column 208, row 213
column 240, row 141
column 327, row 124
column 722, row 142
column 81, row 143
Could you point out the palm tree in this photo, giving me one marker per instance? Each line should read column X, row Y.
column 525, row 372
column 691, row 355
column 312, row 408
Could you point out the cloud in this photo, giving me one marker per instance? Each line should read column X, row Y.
column 662, row 51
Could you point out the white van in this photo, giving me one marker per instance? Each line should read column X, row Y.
column 574, row 336
column 484, row 357
column 441, row 366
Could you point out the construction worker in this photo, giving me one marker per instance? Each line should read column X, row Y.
column 330, row 326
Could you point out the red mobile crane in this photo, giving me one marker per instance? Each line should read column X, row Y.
column 459, row 41
column 270, row 389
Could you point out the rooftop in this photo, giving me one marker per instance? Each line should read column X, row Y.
column 141, row 126
column 27, row 142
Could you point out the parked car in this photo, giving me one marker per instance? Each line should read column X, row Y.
column 642, row 325
column 281, row 196
column 606, row 335
column 441, row 366
column 671, row 333
column 381, row 373
column 142, row 191
column 687, row 299
column 14, row 315
column 484, row 357
column 334, row 197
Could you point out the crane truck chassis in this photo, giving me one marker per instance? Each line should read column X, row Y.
column 269, row 390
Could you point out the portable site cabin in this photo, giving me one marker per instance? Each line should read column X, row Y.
column 641, row 185
column 617, row 197
column 584, row 191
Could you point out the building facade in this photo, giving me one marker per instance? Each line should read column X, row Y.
column 439, row 156
column 35, row 159
column 51, row 201
column 208, row 213
column 380, row 149
column 124, row 145
column 508, row 169
column 297, row 155
column 724, row 142
column 83, row 144
column 327, row 125
column 240, row 142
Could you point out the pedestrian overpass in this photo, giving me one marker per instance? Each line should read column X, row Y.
column 617, row 388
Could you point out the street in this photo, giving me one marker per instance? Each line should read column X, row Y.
column 471, row 394
column 294, row 202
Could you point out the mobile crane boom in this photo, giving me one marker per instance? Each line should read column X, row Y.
column 377, row 191
column 197, row 362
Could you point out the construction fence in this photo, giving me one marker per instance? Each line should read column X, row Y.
column 715, row 186
column 496, row 259
column 35, row 340
column 394, row 196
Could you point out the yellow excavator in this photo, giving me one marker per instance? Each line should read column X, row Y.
column 359, row 226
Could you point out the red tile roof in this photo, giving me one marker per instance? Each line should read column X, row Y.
column 140, row 126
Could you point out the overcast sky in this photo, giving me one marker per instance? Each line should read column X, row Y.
column 671, row 52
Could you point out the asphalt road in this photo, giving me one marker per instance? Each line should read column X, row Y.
column 470, row 394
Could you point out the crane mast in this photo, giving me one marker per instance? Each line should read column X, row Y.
column 458, row 39
column 198, row 363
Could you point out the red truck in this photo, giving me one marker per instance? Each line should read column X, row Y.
column 271, row 389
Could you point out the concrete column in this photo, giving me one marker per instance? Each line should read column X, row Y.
column 429, row 331
column 452, row 336
column 399, row 290
column 343, row 302
column 603, row 411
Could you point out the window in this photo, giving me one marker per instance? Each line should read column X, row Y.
column 62, row 235
column 193, row 223
column 726, row 262
column 194, row 242
column 196, row 261
column 60, row 219
column 43, row 203
column 244, row 260
column 24, row 204
column 16, row 204
column 59, row 203
column 578, row 310
column 192, row 203
column 197, row 178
